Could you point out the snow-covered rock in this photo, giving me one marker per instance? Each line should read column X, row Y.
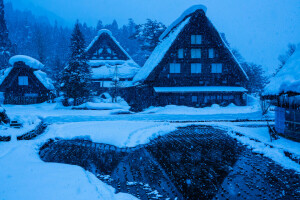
column 31, row 62
column 288, row 78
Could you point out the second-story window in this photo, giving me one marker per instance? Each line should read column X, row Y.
column 180, row 53
column 196, row 39
column 196, row 68
column 211, row 53
column 216, row 68
column 23, row 80
column 195, row 53
column 174, row 68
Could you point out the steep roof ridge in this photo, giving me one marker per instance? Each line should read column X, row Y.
column 109, row 33
column 159, row 52
column 183, row 16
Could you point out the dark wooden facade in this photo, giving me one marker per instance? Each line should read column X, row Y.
column 232, row 74
column 33, row 92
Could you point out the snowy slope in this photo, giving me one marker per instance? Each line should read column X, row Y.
column 288, row 78
column 159, row 52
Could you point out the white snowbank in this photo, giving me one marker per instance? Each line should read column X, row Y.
column 159, row 52
column 186, row 13
column 24, row 176
column 31, row 62
column 102, row 106
column 199, row 89
column 288, row 78
column 4, row 73
column 213, row 110
column 28, row 122
column 118, row 133
column 45, row 80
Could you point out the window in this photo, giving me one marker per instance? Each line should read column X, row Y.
column 196, row 68
column 180, row 53
column 23, row 80
column 194, row 99
column 196, row 39
column 211, row 53
column 216, row 68
column 196, row 53
column 174, row 68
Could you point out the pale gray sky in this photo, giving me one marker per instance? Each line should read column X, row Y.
column 260, row 29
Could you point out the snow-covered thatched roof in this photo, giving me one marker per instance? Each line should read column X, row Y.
column 108, row 32
column 288, row 78
column 105, row 69
column 29, row 61
column 45, row 80
column 32, row 63
column 168, row 38
column 4, row 73
column 159, row 52
column 186, row 13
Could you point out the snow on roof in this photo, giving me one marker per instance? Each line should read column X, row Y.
column 229, row 49
column 288, row 78
column 31, row 62
column 159, row 52
column 4, row 73
column 45, row 80
column 199, row 89
column 186, row 13
column 108, row 32
column 106, row 68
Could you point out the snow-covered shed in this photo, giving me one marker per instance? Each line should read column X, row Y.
column 192, row 65
column 284, row 91
column 24, row 82
column 109, row 62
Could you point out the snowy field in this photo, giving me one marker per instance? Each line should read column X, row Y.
column 24, row 176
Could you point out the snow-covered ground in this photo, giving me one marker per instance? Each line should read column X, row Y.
column 104, row 111
column 24, row 176
column 118, row 133
column 258, row 139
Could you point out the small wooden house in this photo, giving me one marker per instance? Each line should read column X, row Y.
column 192, row 66
column 24, row 82
column 110, row 63
column 284, row 92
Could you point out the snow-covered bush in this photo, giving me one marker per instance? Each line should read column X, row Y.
column 3, row 116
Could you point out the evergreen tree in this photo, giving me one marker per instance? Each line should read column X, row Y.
column 5, row 44
column 257, row 78
column 76, row 76
column 99, row 25
column 148, row 34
